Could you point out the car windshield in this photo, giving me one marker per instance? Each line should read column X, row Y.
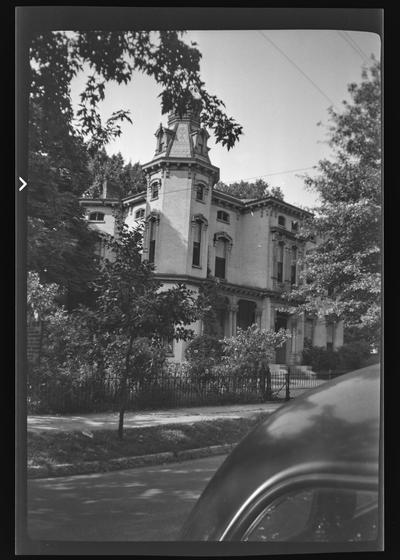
column 318, row 515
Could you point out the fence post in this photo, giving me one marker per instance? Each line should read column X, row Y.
column 287, row 380
column 262, row 383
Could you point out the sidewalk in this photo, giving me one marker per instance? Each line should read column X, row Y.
column 109, row 420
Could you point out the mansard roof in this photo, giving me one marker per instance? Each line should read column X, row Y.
column 244, row 204
column 223, row 198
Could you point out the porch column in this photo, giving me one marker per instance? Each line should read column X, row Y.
column 266, row 314
column 258, row 314
column 338, row 335
column 319, row 335
column 234, row 310
column 300, row 332
column 230, row 321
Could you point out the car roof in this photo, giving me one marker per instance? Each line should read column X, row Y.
column 335, row 426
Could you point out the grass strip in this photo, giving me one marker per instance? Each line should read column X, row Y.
column 49, row 449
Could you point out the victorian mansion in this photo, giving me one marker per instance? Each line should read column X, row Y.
column 193, row 231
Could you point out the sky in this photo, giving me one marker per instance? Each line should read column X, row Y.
column 278, row 84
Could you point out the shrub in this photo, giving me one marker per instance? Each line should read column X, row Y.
column 251, row 348
column 354, row 354
column 348, row 357
column 204, row 347
column 321, row 359
column 202, row 353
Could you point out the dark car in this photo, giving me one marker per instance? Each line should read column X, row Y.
column 308, row 474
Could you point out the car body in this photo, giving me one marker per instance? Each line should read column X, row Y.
column 307, row 474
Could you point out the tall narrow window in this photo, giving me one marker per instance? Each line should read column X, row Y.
column 220, row 258
column 152, row 244
column 279, row 263
column 154, row 190
column 293, row 266
column 281, row 221
column 196, row 244
column 200, row 192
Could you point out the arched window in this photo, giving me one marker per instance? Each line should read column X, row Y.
column 151, row 235
column 281, row 221
column 295, row 226
column 223, row 216
column 293, row 265
column 139, row 214
column 220, row 258
column 200, row 192
column 223, row 244
column 154, row 187
column 197, row 229
column 96, row 217
column 279, row 263
column 152, row 238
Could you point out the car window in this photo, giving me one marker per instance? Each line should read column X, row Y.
column 318, row 515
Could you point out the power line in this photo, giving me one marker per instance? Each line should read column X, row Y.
column 237, row 180
column 297, row 67
column 357, row 45
column 276, row 173
column 350, row 41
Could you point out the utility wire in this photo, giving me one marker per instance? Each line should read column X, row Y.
column 297, row 67
column 350, row 41
column 237, row 180
column 275, row 173
column 367, row 58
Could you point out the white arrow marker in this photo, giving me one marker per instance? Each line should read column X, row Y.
column 23, row 185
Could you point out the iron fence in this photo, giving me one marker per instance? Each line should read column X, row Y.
column 167, row 389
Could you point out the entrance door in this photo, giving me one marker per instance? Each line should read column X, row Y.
column 280, row 323
column 246, row 313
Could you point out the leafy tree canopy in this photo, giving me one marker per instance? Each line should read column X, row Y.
column 343, row 273
column 122, row 178
column 58, row 56
column 244, row 189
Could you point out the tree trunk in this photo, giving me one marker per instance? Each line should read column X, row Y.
column 121, row 422
column 269, row 384
column 124, row 391
column 266, row 377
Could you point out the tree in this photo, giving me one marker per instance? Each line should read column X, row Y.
column 61, row 248
column 209, row 301
column 122, row 179
column 58, row 56
column 342, row 274
column 132, row 305
column 244, row 189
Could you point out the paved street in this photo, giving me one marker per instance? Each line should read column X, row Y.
column 143, row 504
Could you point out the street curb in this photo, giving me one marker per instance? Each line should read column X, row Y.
column 92, row 467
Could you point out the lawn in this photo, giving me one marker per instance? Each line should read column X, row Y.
column 49, row 449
